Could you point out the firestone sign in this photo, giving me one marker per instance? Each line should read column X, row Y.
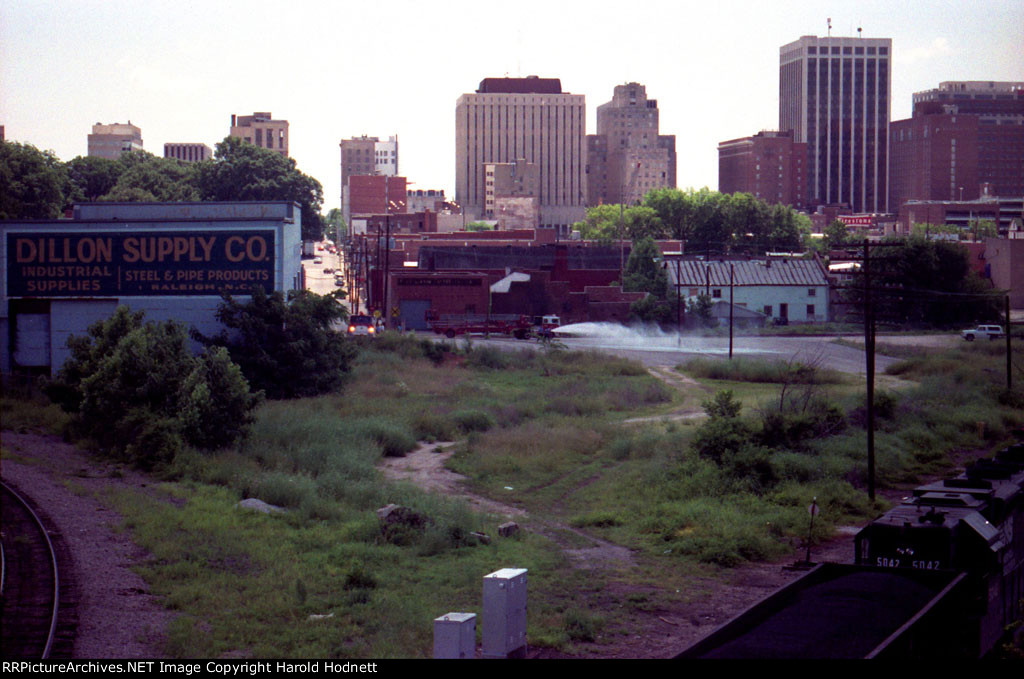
column 153, row 263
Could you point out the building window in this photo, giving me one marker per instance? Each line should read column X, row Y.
column 716, row 293
column 812, row 292
column 768, row 310
column 810, row 311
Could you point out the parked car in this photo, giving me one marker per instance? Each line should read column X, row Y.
column 993, row 332
column 361, row 325
column 318, row 260
column 328, row 270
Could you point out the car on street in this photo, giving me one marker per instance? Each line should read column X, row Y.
column 993, row 332
column 318, row 260
column 361, row 325
column 328, row 270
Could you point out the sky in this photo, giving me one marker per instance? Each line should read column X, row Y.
column 337, row 69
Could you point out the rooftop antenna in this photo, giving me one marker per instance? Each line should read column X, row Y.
column 830, row 27
column 859, row 29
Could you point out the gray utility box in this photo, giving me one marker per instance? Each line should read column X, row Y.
column 504, row 624
column 455, row 636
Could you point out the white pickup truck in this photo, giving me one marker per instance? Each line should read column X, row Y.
column 993, row 332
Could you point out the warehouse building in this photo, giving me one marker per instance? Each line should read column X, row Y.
column 171, row 260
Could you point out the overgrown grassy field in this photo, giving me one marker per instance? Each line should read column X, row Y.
column 542, row 430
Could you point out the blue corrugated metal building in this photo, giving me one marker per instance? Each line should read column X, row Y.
column 785, row 289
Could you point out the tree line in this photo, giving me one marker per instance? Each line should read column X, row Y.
column 38, row 185
column 707, row 221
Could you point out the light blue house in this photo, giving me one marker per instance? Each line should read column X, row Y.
column 171, row 260
column 785, row 290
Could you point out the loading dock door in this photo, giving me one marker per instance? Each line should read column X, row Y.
column 413, row 314
column 32, row 340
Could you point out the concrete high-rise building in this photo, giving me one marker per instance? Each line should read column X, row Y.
column 262, row 130
column 528, row 120
column 190, row 153
column 834, row 93
column 110, row 141
column 366, row 157
column 769, row 166
column 627, row 157
column 962, row 135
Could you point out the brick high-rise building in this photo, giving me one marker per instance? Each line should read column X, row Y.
column 365, row 156
column 962, row 135
column 834, row 93
column 262, row 130
column 110, row 141
column 627, row 157
column 528, row 119
column 377, row 194
column 769, row 165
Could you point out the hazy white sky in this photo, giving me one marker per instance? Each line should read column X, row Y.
column 336, row 69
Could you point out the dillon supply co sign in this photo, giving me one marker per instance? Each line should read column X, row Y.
column 153, row 263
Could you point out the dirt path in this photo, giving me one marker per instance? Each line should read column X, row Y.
column 680, row 383
column 425, row 468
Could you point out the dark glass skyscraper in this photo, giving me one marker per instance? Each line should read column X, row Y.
column 834, row 94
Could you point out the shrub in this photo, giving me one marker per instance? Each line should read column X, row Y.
column 216, row 404
column 434, row 427
column 286, row 348
column 488, row 358
column 472, row 420
column 394, row 440
column 719, row 437
column 723, row 405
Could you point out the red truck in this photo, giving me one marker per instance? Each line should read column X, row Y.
column 451, row 325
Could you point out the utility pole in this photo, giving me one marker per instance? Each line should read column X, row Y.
column 387, row 246
column 731, row 307
column 869, row 357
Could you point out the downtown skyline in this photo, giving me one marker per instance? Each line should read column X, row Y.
column 342, row 70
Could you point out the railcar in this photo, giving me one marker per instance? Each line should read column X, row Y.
column 940, row 575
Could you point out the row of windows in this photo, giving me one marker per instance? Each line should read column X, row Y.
column 847, row 49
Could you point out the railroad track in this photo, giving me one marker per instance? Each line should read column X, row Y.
column 35, row 620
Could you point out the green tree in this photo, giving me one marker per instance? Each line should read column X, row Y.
column 837, row 235
column 334, row 225
column 933, row 284
column 644, row 272
column 650, row 309
column 699, row 309
column 286, row 347
column 709, row 221
column 92, row 177
column 146, row 178
column 637, row 221
column 241, row 171
column 33, row 184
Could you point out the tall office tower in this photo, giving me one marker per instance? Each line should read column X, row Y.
column 962, row 135
column 509, row 120
column 365, row 156
column 190, row 153
column 110, row 141
column 262, row 130
column 627, row 157
column 834, row 93
column 769, row 166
